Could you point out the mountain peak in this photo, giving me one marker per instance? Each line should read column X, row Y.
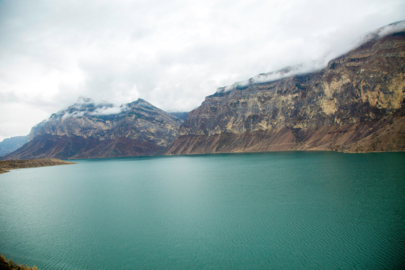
column 141, row 100
column 87, row 129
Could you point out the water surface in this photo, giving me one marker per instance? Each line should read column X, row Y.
column 295, row 210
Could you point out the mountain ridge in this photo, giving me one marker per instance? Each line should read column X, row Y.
column 11, row 144
column 315, row 65
column 355, row 104
column 96, row 130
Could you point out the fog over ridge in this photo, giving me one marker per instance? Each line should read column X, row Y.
column 313, row 65
column 87, row 107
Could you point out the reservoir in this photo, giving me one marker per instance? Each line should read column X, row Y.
column 284, row 210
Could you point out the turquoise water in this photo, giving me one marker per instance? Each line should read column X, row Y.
column 299, row 210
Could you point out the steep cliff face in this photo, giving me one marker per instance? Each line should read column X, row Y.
column 355, row 104
column 89, row 130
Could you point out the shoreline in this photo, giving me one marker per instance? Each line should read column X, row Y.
column 10, row 264
column 8, row 165
column 242, row 152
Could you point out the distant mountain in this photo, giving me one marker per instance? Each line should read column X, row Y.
column 354, row 104
column 181, row 115
column 90, row 130
column 11, row 144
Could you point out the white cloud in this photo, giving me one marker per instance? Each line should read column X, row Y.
column 314, row 65
column 170, row 53
column 392, row 28
column 73, row 114
column 87, row 107
column 109, row 110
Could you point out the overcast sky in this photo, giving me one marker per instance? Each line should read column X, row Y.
column 170, row 53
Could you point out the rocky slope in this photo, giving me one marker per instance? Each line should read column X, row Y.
column 90, row 130
column 355, row 104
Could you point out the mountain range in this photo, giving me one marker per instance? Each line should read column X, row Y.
column 11, row 144
column 90, row 130
column 354, row 104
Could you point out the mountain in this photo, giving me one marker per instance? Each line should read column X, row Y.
column 90, row 130
column 354, row 104
column 10, row 144
column 181, row 115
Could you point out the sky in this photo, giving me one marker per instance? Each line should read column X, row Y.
column 171, row 53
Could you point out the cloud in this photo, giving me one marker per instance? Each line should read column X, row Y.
column 314, row 65
column 87, row 107
column 170, row 53
column 276, row 75
column 391, row 28
column 109, row 110
column 73, row 114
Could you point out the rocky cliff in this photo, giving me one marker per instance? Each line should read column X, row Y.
column 90, row 130
column 355, row 104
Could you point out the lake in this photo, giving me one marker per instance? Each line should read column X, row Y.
column 285, row 210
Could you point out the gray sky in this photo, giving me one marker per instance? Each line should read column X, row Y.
column 170, row 53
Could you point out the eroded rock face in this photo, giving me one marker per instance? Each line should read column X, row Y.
column 355, row 104
column 89, row 130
